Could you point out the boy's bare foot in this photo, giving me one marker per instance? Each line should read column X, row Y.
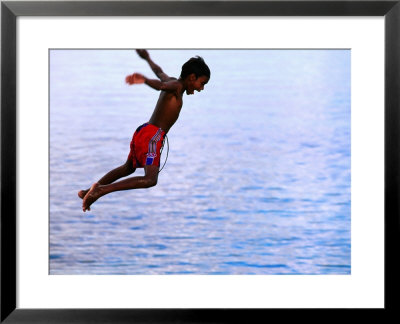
column 82, row 193
column 91, row 196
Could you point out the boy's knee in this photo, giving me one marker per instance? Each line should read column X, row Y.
column 151, row 182
column 151, row 175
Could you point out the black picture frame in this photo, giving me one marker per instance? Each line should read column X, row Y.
column 10, row 10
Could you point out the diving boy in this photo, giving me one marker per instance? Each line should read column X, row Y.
column 148, row 138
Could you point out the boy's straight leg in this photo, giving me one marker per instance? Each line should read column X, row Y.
column 122, row 171
column 98, row 190
column 117, row 173
column 148, row 180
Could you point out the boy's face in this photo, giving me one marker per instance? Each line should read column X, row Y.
column 196, row 83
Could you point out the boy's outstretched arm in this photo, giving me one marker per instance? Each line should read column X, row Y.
column 144, row 54
column 170, row 86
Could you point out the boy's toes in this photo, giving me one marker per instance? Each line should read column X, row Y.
column 85, row 206
column 90, row 197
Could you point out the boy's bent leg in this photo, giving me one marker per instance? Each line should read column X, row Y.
column 115, row 174
column 98, row 190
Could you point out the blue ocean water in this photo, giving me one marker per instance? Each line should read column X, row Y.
column 257, row 179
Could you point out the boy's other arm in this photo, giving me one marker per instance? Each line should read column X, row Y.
column 170, row 86
column 156, row 69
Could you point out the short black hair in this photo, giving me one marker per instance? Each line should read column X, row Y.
column 197, row 66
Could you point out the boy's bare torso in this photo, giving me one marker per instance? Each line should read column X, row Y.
column 167, row 110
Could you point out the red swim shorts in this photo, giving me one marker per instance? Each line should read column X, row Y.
column 146, row 145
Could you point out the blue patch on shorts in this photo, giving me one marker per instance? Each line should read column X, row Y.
column 149, row 160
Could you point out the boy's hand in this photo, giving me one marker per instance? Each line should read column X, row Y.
column 143, row 53
column 135, row 78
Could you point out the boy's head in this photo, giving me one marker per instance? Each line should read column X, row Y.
column 197, row 73
column 197, row 66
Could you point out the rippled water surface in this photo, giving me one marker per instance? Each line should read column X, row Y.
column 258, row 174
